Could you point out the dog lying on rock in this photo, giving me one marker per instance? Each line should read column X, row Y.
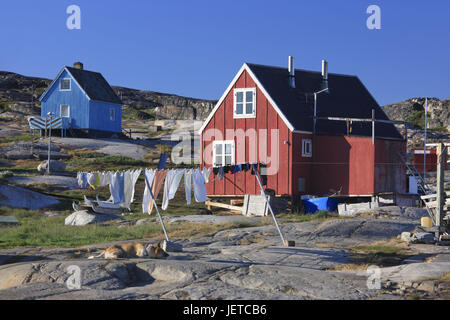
column 133, row 250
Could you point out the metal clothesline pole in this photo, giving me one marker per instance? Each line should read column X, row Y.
column 156, row 207
column 267, row 201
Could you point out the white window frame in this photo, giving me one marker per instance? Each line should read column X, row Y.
column 70, row 84
column 306, row 142
column 60, row 110
column 223, row 143
column 112, row 116
column 244, row 102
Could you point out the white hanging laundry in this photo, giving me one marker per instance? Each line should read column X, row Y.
column 116, row 187
column 149, row 175
column 171, row 184
column 199, row 186
column 82, row 179
column 188, row 184
column 206, row 172
column 105, row 178
column 130, row 178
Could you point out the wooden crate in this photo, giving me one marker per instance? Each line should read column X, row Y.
column 256, row 205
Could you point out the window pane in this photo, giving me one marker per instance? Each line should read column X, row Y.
column 218, row 161
column 65, row 84
column 218, row 148
column 239, row 97
column 249, row 108
column 111, row 114
column 227, row 148
column 64, row 111
column 239, row 108
column 249, row 96
column 227, row 160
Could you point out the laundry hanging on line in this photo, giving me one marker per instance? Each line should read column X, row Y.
column 122, row 185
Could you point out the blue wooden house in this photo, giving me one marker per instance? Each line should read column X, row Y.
column 84, row 101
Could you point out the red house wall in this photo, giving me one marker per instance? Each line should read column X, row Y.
column 266, row 118
column 431, row 161
column 343, row 163
column 301, row 166
column 390, row 172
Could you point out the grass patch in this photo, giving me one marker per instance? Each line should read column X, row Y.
column 10, row 139
column 35, row 230
column 382, row 254
column 440, row 129
column 322, row 215
column 418, row 118
column 95, row 161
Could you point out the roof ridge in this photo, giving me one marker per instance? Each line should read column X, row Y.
column 302, row 70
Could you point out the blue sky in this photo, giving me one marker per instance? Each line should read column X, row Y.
column 194, row 48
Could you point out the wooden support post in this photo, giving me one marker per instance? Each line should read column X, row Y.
column 440, row 199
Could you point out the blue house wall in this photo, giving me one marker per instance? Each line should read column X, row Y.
column 75, row 98
column 99, row 116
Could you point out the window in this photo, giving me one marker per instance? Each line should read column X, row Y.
column 301, row 184
column 64, row 111
column 64, row 85
column 223, row 153
column 112, row 114
column 306, row 148
column 245, row 103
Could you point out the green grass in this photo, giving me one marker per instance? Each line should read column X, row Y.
column 25, row 137
column 382, row 254
column 418, row 118
column 93, row 161
column 35, row 230
column 440, row 129
column 319, row 216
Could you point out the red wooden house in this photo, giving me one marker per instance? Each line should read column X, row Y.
column 266, row 115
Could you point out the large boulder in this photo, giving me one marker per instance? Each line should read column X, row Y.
column 55, row 166
column 83, row 217
column 16, row 197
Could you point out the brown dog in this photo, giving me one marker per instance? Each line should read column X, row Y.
column 132, row 250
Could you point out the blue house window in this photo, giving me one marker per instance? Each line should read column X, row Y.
column 64, row 111
column 64, row 85
column 112, row 114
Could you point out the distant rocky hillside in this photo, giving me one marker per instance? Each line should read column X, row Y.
column 19, row 94
column 412, row 110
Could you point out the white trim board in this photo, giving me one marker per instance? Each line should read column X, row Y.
column 259, row 85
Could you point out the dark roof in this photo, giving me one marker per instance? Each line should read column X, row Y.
column 347, row 97
column 95, row 86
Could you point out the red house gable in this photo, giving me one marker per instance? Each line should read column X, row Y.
column 265, row 137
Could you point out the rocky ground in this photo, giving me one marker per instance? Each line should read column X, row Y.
column 244, row 263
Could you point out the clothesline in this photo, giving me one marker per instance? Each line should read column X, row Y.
column 122, row 185
column 220, row 171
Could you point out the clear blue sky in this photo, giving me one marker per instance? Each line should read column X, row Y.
column 194, row 48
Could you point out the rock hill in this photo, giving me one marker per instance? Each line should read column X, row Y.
column 19, row 94
column 413, row 110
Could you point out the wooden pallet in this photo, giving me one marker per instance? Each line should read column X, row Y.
column 431, row 204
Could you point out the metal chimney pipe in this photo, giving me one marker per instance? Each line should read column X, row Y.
column 325, row 74
column 291, row 72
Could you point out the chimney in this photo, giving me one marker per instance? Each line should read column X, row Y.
column 325, row 74
column 291, row 72
column 78, row 65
